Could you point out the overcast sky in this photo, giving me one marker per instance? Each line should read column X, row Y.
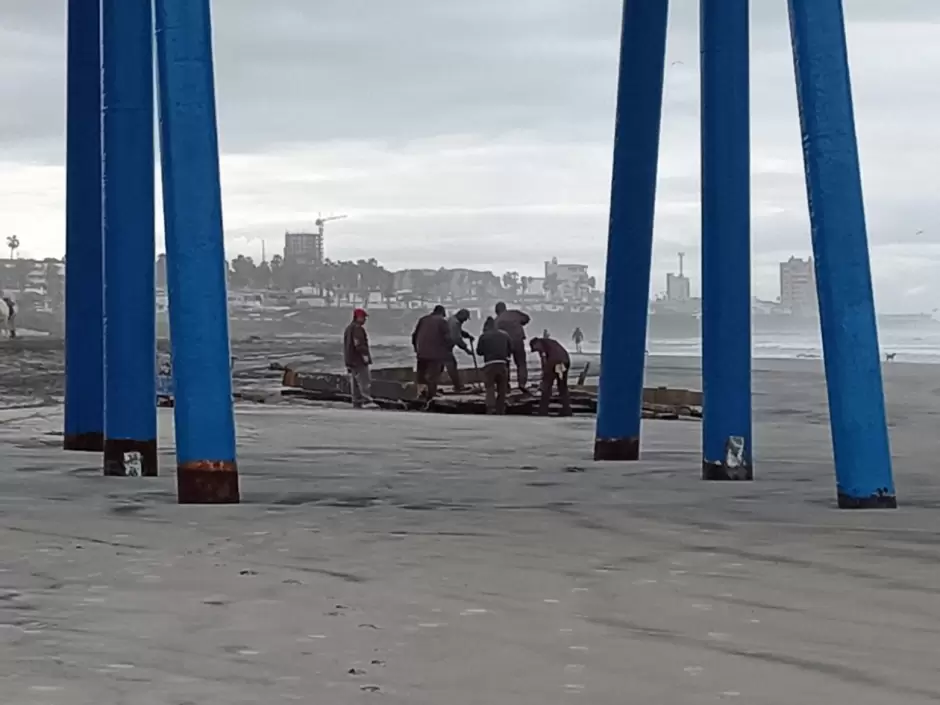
column 479, row 134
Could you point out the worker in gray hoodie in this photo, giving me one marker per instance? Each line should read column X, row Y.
column 495, row 347
column 458, row 339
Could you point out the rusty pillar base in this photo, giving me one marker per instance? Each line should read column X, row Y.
column 720, row 472
column 85, row 442
column 207, row 482
column 878, row 501
column 618, row 449
column 118, row 453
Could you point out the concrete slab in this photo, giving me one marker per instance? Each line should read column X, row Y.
column 421, row 559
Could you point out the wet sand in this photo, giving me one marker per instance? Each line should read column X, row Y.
column 421, row 559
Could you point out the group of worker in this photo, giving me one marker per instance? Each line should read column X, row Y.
column 435, row 339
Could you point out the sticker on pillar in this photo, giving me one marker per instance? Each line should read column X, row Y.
column 734, row 457
column 165, row 387
column 164, row 381
column 133, row 464
column 734, row 452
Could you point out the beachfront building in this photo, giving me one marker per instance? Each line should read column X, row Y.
column 568, row 282
column 798, row 286
column 678, row 287
column 38, row 284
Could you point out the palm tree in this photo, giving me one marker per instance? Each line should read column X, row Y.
column 242, row 272
column 551, row 284
column 13, row 242
column 277, row 272
column 586, row 285
column 511, row 282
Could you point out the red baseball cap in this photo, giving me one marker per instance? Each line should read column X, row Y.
column 360, row 312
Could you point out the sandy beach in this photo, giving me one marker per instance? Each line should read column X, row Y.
column 420, row 559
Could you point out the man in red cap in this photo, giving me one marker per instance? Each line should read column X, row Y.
column 358, row 359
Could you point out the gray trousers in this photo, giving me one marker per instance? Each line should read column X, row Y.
column 360, row 385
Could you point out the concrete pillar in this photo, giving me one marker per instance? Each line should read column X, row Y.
column 130, row 444
column 726, row 241
column 84, row 293
column 630, row 237
column 195, row 255
column 840, row 246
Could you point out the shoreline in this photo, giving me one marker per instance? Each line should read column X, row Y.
column 47, row 343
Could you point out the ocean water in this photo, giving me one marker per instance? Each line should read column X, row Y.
column 910, row 346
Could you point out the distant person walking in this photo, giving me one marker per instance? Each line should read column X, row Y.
column 358, row 359
column 10, row 316
column 556, row 363
column 578, row 338
column 495, row 347
column 459, row 339
column 433, row 347
column 513, row 323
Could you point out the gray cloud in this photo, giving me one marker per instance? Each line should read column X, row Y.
column 479, row 133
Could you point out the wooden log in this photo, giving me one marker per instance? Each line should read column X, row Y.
column 394, row 388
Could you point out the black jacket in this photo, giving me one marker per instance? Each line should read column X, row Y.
column 431, row 338
column 494, row 346
column 514, row 323
column 553, row 353
column 356, row 346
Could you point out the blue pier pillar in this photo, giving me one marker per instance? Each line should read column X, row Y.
column 195, row 253
column 84, row 314
column 630, row 236
column 840, row 244
column 130, row 444
column 726, row 241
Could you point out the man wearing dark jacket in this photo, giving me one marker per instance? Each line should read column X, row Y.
column 513, row 323
column 495, row 347
column 432, row 345
column 357, row 357
column 458, row 339
column 555, row 366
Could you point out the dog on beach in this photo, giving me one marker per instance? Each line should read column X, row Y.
column 890, row 356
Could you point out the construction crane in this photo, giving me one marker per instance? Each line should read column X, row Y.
column 321, row 222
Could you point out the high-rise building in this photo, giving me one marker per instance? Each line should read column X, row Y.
column 304, row 248
column 678, row 286
column 798, row 286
